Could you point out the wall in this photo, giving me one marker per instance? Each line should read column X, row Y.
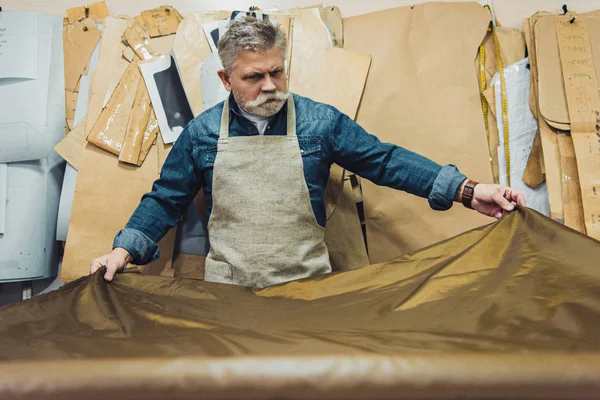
column 509, row 12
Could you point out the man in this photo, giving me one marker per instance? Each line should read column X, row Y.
column 262, row 158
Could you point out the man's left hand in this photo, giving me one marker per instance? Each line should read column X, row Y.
column 491, row 200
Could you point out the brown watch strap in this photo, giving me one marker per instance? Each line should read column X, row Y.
column 467, row 193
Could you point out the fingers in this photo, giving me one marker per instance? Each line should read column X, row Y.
column 515, row 197
column 111, row 270
column 96, row 265
column 499, row 199
column 113, row 264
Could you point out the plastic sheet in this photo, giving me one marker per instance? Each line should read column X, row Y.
column 523, row 128
column 138, row 121
column 109, row 131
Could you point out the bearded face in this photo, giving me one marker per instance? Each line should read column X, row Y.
column 258, row 82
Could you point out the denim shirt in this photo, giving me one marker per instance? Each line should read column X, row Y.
column 325, row 136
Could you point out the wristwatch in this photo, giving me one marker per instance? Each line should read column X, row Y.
column 467, row 193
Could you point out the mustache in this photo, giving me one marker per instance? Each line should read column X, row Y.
column 262, row 98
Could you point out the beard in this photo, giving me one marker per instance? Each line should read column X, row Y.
column 265, row 105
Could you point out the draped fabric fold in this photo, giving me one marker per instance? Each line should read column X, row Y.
column 514, row 305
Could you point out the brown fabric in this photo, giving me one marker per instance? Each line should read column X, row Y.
column 407, row 376
column 523, row 283
column 505, row 310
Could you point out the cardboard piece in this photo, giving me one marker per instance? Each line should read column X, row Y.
column 79, row 41
column 150, row 134
column 550, row 153
column 129, row 54
column 190, row 50
column 115, row 78
column 332, row 16
column 161, row 21
column 110, row 56
column 71, row 146
column 146, row 49
column 70, row 103
column 489, row 69
column 109, row 131
column 137, row 37
column 534, row 174
column 343, row 234
column 313, row 53
column 96, row 13
column 138, row 120
column 512, row 45
column 422, row 96
column 100, row 210
column 553, row 103
column 580, row 70
column 571, row 192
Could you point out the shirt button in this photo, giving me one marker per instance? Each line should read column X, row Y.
column 302, row 151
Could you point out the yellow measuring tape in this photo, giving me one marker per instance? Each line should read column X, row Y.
column 483, row 87
column 484, row 104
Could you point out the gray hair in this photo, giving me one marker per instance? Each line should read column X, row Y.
column 249, row 34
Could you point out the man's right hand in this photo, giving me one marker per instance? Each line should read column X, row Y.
column 115, row 262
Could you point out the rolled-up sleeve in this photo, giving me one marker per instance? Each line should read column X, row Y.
column 161, row 209
column 386, row 164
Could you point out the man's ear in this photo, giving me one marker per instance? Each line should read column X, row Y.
column 225, row 78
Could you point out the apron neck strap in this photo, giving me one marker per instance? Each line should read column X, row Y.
column 291, row 118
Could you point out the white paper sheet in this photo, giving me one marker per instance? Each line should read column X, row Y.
column 522, row 129
column 28, row 249
column 23, row 111
column 18, row 45
column 66, row 203
column 168, row 98
column 213, row 91
column 214, row 31
column 3, row 178
column 70, row 179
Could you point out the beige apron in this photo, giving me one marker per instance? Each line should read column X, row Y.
column 262, row 228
